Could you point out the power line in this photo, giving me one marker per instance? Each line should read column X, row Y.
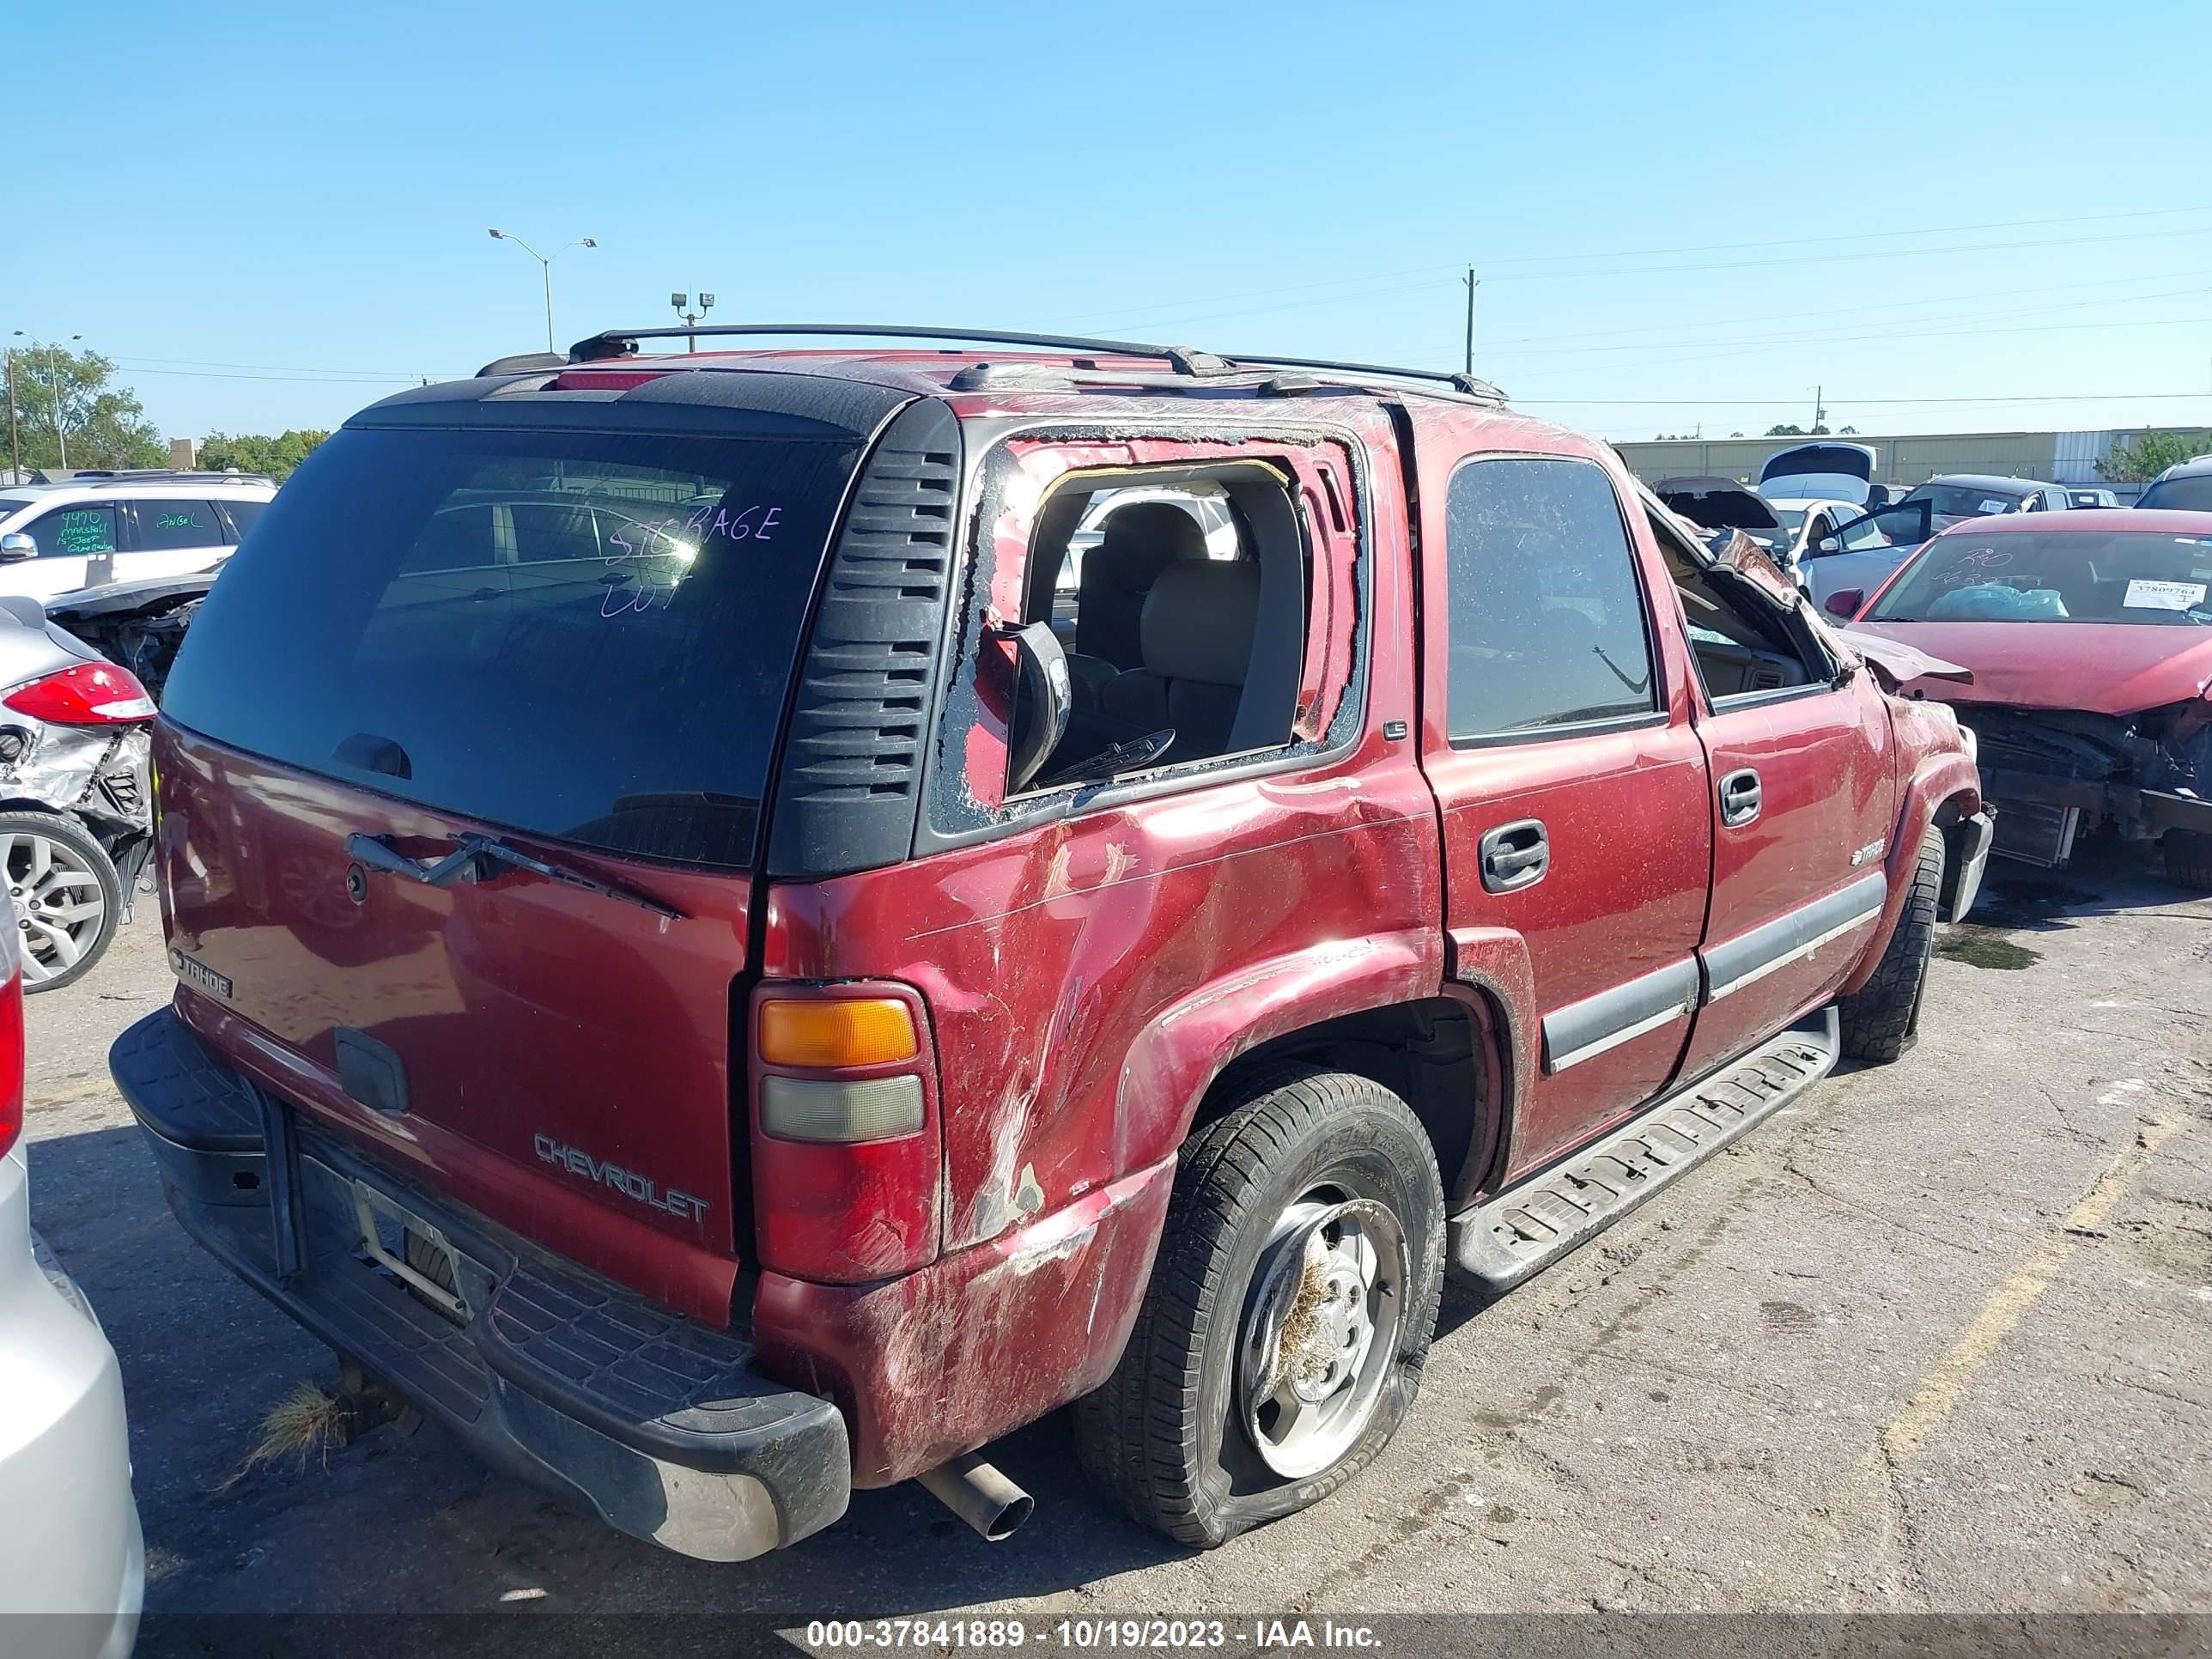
column 1842, row 258
column 1853, row 310
column 1916, row 328
column 1631, row 253
column 1835, row 399
column 289, row 368
column 1853, row 236
column 1439, row 281
column 297, row 380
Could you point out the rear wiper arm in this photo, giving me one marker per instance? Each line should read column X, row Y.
column 472, row 859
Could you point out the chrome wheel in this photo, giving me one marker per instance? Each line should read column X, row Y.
column 61, row 909
column 1320, row 1330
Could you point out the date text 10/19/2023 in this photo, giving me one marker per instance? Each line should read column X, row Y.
column 1127, row 1634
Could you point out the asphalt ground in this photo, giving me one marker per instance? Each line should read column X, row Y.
column 1933, row 1339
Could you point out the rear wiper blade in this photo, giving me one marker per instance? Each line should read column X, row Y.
column 472, row 860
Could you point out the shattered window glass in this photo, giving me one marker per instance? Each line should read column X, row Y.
column 1547, row 619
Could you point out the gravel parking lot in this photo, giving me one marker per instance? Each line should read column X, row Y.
column 1933, row 1339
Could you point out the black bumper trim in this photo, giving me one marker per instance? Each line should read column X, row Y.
column 659, row 1424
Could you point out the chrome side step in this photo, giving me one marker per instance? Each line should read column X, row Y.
column 1531, row 1224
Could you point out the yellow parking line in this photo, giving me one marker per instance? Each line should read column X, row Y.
column 65, row 1096
column 1940, row 1391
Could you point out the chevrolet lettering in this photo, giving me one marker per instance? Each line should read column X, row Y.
column 643, row 1188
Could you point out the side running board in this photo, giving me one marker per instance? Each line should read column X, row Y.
column 1533, row 1224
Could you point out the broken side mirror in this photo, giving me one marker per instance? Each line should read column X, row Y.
column 16, row 545
column 1843, row 604
column 1043, row 701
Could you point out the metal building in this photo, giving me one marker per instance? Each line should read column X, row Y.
column 2063, row 457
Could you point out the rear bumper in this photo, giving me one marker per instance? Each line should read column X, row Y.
column 661, row 1426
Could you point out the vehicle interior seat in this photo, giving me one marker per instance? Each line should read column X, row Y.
column 1141, row 540
column 1197, row 630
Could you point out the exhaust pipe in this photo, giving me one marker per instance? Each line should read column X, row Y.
column 976, row 1492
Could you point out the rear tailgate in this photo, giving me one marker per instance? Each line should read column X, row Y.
column 501, row 1037
column 578, row 645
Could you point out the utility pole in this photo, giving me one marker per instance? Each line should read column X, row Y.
column 14, row 445
column 1819, row 411
column 691, row 319
column 1473, row 282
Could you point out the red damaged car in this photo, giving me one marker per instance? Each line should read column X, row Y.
column 747, row 923
column 2089, row 636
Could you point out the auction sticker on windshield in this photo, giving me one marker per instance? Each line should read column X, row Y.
column 2164, row 596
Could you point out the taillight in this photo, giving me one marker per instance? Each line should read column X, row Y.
column 848, row 1158
column 11, row 1039
column 90, row 693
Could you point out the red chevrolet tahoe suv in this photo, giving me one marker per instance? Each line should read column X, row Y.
column 747, row 923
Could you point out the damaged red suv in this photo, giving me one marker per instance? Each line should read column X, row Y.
column 747, row 923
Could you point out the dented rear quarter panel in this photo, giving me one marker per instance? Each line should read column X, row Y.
column 1087, row 979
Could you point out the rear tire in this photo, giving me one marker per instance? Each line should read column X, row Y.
column 2188, row 858
column 1880, row 1022
column 1290, row 1311
column 67, row 897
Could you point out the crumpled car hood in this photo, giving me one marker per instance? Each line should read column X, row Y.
column 2103, row 668
column 1899, row 663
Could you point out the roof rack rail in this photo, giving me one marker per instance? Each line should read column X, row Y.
column 1465, row 384
column 101, row 475
column 1185, row 360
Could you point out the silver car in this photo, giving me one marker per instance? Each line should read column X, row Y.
column 76, row 809
column 71, row 1555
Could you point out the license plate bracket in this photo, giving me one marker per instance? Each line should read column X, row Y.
column 369, row 1206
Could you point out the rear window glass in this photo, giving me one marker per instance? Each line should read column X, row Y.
column 587, row 636
column 2059, row 576
column 1965, row 501
column 2190, row 494
column 244, row 516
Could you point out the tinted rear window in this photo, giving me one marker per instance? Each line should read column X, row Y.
column 2190, row 493
column 1965, row 501
column 584, row 635
column 244, row 516
column 1817, row 457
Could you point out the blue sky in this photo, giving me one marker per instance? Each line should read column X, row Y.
column 1685, row 216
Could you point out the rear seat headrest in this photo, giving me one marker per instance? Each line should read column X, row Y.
column 1144, row 539
column 1198, row 621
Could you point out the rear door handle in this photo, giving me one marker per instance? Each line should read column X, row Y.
column 1515, row 855
column 1740, row 798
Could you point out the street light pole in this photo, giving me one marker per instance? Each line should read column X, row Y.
column 15, row 447
column 545, row 264
column 691, row 319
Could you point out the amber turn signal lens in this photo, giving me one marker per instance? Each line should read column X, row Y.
column 835, row 1032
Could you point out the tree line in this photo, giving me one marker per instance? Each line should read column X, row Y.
column 66, row 404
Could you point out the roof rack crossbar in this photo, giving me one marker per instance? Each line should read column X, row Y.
column 620, row 342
